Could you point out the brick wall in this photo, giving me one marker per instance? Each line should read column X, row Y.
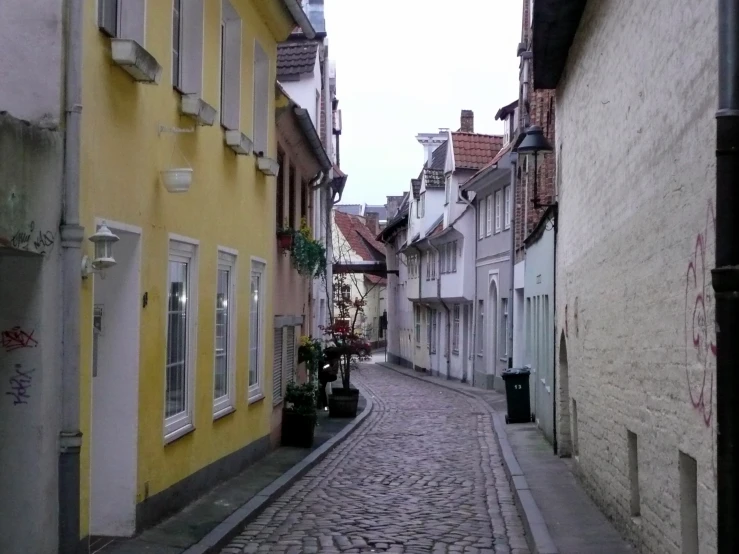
column 635, row 152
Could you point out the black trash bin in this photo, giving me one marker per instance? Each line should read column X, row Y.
column 517, row 395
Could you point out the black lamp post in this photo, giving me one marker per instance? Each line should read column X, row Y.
column 534, row 142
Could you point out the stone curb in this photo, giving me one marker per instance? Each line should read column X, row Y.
column 537, row 532
column 230, row 527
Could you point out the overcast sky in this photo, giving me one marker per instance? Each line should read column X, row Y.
column 405, row 67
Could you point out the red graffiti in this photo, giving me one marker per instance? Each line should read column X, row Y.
column 699, row 330
column 17, row 338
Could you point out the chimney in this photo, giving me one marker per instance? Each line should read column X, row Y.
column 373, row 222
column 467, row 122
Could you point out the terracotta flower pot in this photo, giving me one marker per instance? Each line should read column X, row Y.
column 284, row 240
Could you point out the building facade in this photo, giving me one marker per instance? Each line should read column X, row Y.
column 635, row 244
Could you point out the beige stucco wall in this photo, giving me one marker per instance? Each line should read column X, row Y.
column 635, row 148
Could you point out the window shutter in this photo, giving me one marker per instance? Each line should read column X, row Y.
column 481, row 217
column 191, row 54
column 108, row 17
column 261, row 98
column 507, row 206
column 290, row 356
column 133, row 17
column 277, row 367
column 230, row 110
column 498, row 207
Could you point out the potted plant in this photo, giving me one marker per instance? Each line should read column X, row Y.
column 308, row 255
column 299, row 415
column 285, row 238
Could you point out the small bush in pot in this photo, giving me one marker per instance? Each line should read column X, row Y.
column 299, row 415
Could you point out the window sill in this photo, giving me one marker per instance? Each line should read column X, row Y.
column 179, row 433
column 133, row 58
column 268, row 166
column 254, row 398
column 223, row 412
column 197, row 108
column 238, row 142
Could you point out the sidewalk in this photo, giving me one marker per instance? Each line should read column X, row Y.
column 216, row 517
column 559, row 516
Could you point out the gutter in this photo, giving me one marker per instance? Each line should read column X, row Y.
column 725, row 277
column 300, row 17
column 71, row 234
column 310, row 133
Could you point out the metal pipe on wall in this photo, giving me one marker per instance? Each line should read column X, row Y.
column 725, row 276
column 71, row 233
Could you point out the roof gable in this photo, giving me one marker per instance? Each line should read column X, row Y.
column 473, row 150
column 359, row 237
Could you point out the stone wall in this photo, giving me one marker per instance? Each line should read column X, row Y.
column 635, row 154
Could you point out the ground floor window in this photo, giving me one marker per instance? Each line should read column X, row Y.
column 455, row 330
column 256, row 328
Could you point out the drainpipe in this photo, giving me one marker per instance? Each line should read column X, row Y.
column 513, row 157
column 473, row 326
column 71, row 233
column 725, row 277
column 555, row 218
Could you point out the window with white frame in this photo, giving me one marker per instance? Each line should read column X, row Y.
column 481, row 218
column 442, row 251
column 498, row 210
column 187, row 46
column 434, row 332
column 480, row 327
column 429, row 330
column 422, row 205
column 257, row 300
column 504, row 324
column 455, row 330
column 261, row 99
column 432, row 262
column 181, row 318
column 489, row 215
column 417, row 310
column 454, row 257
column 447, row 189
column 428, row 266
column 225, row 352
column 230, row 66
column 126, row 20
column 507, row 218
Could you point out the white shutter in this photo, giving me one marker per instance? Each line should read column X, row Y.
column 507, row 206
column 290, row 355
column 133, row 16
column 230, row 108
column 277, row 367
column 191, row 54
column 261, row 98
column 481, row 216
column 108, row 17
column 498, row 208
column 489, row 213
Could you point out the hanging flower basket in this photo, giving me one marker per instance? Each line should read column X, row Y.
column 285, row 240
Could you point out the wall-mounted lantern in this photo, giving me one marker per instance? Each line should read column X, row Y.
column 532, row 144
column 103, row 258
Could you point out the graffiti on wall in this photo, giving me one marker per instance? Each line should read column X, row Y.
column 32, row 240
column 17, row 338
column 700, row 336
column 20, row 385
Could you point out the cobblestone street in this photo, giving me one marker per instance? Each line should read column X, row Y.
column 423, row 474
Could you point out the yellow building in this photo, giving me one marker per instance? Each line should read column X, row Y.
column 178, row 161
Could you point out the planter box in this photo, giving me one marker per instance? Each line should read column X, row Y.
column 343, row 402
column 298, row 429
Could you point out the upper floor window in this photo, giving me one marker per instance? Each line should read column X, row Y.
column 230, row 66
column 481, row 218
column 187, row 46
column 261, row 99
column 448, row 189
column 507, row 218
column 498, row 210
column 489, row 215
column 422, row 205
column 123, row 19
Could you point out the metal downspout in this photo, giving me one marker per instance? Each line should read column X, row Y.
column 725, row 277
column 71, row 233
column 555, row 221
column 511, row 303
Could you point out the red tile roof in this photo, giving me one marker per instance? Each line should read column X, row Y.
column 473, row 151
column 495, row 160
column 359, row 237
column 376, row 280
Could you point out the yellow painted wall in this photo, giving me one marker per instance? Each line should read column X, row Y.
column 229, row 204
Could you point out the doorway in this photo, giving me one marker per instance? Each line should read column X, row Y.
column 566, row 443
column 115, row 389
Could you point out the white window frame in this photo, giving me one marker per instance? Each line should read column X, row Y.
column 227, row 261
column 429, row 331
column 417, row 322
column 507, row 211
column 256, row 390
column 260, row 136
column 504, row 325
column 481, row 206
column 498, row 210
column 130, row 19
column 447, row 189
column 454, row 257
column 480, row 328
column 489, row 215
column 183, row 249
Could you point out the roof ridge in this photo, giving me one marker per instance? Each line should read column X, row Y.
column 476, row 134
